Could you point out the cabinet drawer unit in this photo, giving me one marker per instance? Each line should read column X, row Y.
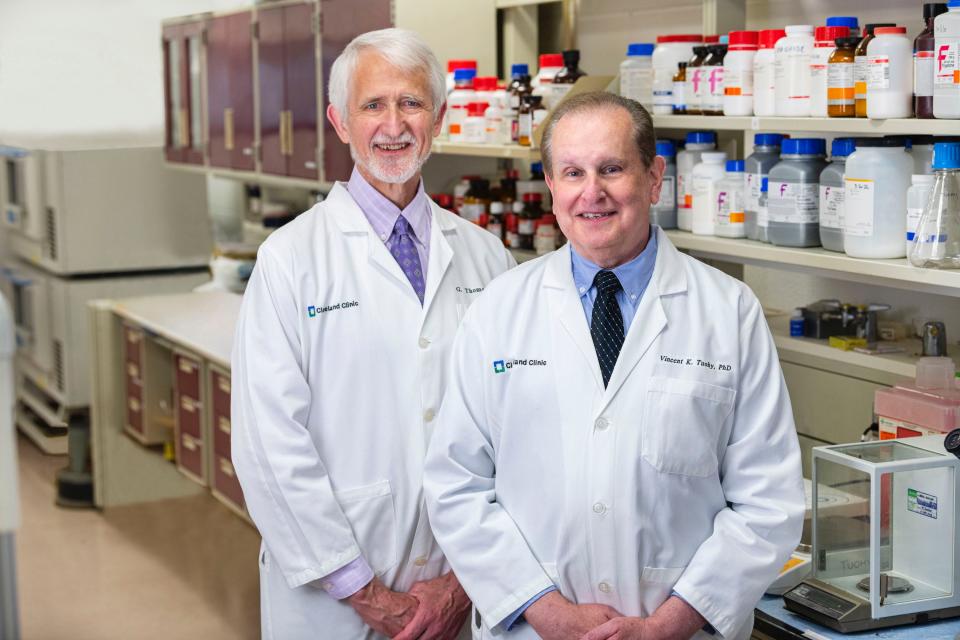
column 189, row 420
column 190, row 457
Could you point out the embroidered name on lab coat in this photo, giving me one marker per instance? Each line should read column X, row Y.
column 313, row 311
column 696, row 362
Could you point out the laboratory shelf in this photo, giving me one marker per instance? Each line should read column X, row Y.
column 513, row 151
column 897, row 273
column 847, row 126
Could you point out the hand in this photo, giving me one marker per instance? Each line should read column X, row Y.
column 444, row 606
column 623, row 629
column 554, row 617
column 385, row 611
column 673, row 620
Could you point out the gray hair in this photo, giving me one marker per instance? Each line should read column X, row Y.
column 402, row 48
column 643, row 133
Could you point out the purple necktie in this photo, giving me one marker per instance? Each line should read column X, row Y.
column 405, row 253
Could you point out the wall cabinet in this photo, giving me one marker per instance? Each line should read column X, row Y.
column 230, row 102
column 183, row 91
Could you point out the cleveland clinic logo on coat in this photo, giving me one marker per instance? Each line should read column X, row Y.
column 501, row 366
column 313, row 311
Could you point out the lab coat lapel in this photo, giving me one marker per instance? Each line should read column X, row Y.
column 669, row 277
column 441, row 253
column 565, row 305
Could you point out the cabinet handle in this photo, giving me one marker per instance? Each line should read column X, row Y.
column 226, row 467
column 189, row 443
column 224, row 384
column 228, row 128
column 289, row 132
column 188, row 404
column 184, row 128
column 223, row 424
column 133, row 371
column 134, row 404
column 283, row 133
column 186, row 366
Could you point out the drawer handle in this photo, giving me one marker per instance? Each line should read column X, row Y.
column 224, row 424
column 186, row 366
column 189, row 443
column 223, row 384
column 226, row 468
column 133, row 370
column 133, row 337
column 188, row 404
column 134, row 404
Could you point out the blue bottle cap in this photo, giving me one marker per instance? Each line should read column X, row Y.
column 946, row 155
column 843, row 21
column 700, row 137
column 518, row 70
column 725, row 39
column 767, row 139
column 536, row 167
column 842, row 147
column 640, row 49
column 951, row 4
column 734, row 166
column 464, row 74
column 763, row 185
column 804, row 147
column 666, row 148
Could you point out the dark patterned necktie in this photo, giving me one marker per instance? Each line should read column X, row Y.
column 606, row 325
column 405, row 253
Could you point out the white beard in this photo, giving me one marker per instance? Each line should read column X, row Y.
column 392, row 172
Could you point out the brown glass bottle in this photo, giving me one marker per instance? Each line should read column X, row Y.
column 860, row 68
column 924, row 62
column 680, row 89
column 566, row 77
column 712, row 81
column 841, row 102
column 532, row 113
column 693, row 79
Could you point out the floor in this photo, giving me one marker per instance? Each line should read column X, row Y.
column 181, row 568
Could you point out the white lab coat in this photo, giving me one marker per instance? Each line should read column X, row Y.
column 678, row 476
column 337, row 374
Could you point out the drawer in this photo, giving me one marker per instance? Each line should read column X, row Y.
column 221, row 436
column 134, row 410
column 133, row 345
column 187, row 375
column 133, row 372
column 189, row 416
column 220, row 390
column 190, row 456
column 226, row 483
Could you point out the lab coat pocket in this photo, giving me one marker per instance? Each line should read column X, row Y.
column 682, row 423
column 656, row 583
column 370, row 511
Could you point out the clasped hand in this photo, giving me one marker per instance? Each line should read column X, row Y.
column 432, row 610
column 554, row 617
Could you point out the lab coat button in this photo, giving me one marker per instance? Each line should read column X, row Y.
column 599, row 508
column 421, row 561
column 604, row 587
column 428, row 415
column 601, row 424
column 424, row 343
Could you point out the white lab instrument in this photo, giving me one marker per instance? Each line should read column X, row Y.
column 9, row 501
column 338, row 372
column 891, row 558
column 538, row 476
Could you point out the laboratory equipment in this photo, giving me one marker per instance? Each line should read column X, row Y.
column 636, row 74
column 832, row 193
column 694, row 88
column 766, row 154
column 670, row 51
column 921, row 186
column 860, row 67
column 794, row 195
column 825, row 43
column 946, row 82
column 764, row 87
column 924, row 61
column 729, row 220
column 792, row 56
column 934, row 337
column 840, row 82
column 712, row 82
column 927, row 406
column 706, row 178
column 9, row 501
column 696, row 143
column 937, row 241
column 892, row 558
column 890, row 74
column 664, row 211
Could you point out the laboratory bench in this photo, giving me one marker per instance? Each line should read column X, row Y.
column 161, row 406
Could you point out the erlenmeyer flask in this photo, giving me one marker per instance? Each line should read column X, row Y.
column 936, row 244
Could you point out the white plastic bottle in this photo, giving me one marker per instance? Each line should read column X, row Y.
column 697, row 143
column 876, row 180
column 730, row 218
column 738, row 73
column 921, row 186
column 474, row 125
column 670, row 51
column 636, row 74
column 890, row 74
column 706, row 179
column 497, row 130
column 457, row 102
column 824, row 45
column 550, row 65
column 764, row 86
column 946, row 82
column 792, row 56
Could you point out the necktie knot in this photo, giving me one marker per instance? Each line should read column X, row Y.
column 606, row 282
column 401, row 227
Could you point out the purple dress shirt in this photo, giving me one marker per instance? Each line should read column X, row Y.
column 382, row 216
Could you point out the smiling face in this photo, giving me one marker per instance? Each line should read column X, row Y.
column 389, row 123
column 602, row 191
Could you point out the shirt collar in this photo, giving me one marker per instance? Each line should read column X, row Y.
column 633, row 275
column 382, row 214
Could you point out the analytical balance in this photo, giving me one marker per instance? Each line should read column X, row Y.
column 892, row 557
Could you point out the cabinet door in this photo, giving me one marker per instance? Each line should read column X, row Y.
column 300, row 53
column 219, row 115
column 176, row 119
column 193, row 96
column 342, row 21
column 241, row 91
column 273, row 158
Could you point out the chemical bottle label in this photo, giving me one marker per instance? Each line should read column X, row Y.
column 754, row 180
column 763, row 216
column 913, row 221
column 526, row 125
column 840, row 84
column 923, row 71
column 878, row 72
column 831, row 207
column 668, row 198
column 793, row 203
column 684, row 199
column 713, row 95
column 947, row 63
column 637, row 84
column 738, row 82
column 860, row 77
column 679, row 95
column 730, row 208
column 858, row 207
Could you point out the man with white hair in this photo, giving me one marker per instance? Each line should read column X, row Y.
column 339, row 368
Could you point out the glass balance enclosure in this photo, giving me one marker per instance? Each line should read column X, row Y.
column 890, row 547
